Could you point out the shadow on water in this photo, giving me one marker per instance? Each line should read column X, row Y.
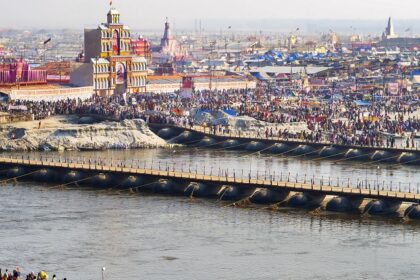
column 260, row 211
column 82, row 228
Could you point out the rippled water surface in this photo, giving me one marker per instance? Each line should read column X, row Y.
column 76, row 231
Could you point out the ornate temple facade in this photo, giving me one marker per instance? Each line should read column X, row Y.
column 110, row 66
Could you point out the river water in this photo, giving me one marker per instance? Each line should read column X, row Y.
column 76, row 231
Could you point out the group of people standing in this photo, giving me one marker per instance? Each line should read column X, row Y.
column 338, row 120
column 16, row 274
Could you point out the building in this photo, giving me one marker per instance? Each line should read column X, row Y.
column 169, row 49
column 18, row 72
column 167, row 68
column 57, row 71
column 48, row 93
column 389, row 32
column 110, row 66
column 391, row 40
column 141, row 47
column 172, row 83
column 406, row 43
column 168, row 43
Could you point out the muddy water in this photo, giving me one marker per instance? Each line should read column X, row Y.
column 76, row 231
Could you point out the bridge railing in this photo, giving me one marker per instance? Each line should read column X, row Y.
column 229, row 174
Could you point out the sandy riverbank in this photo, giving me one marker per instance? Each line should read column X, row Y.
column 66, row 133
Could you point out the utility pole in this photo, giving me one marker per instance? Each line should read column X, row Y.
column 212, row 45
column 103, row 273
column 95, row 69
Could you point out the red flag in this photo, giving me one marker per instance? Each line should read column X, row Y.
column 110, row 3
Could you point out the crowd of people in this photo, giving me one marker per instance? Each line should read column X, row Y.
column 16, row 274
column 334, row 117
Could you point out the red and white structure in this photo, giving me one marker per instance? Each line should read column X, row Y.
column 19, row 72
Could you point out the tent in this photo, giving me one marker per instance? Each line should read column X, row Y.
column 362, row 103
column 230, row 112
column 261, row 76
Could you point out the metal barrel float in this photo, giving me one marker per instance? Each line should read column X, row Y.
column 305, row 200
column 268, row 196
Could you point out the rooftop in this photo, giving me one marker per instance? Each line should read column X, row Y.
column 290, row 69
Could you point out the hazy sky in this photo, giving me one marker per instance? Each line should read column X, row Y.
column 150, row 14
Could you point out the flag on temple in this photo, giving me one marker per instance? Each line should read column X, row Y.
column 110, row 2
column 47, row 41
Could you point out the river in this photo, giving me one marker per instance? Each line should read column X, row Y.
column 76, row 231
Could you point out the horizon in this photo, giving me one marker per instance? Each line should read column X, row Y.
column 306, row 26
column 60, row 14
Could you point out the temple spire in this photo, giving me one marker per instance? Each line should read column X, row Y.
column 389, row 31
column 113, row 15
column 390, row 27
column 167, row 35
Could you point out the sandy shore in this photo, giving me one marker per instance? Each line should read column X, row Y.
column 65, row 133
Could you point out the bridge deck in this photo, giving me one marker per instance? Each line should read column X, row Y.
column 220, row 180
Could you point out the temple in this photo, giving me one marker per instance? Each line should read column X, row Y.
column 168, row 43
column 391, row 40
column 389, row 31
column 111, row 66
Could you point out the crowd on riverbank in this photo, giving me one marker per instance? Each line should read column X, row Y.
column 16, row 274
column 340, row 118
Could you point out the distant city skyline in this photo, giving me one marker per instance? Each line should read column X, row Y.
column 215, row 14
